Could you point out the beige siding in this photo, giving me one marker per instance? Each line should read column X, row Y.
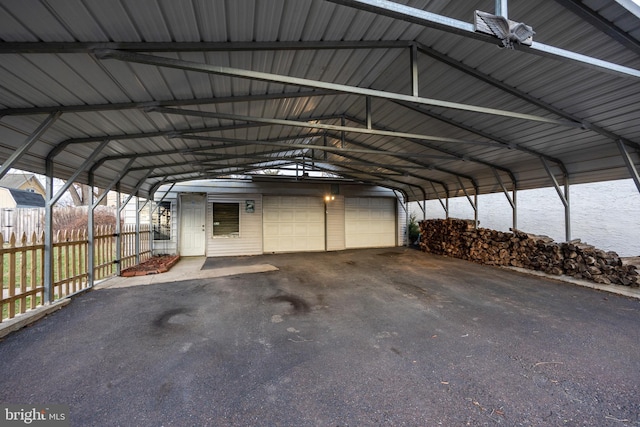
column 335, row 224
column 6, row 199
column 402, row 223
column 249, row 241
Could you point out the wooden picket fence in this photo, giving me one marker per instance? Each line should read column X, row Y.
column 22, row 279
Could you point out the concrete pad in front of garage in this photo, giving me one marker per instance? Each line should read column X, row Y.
column 367, row 337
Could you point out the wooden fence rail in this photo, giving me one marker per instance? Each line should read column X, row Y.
column 22, row 279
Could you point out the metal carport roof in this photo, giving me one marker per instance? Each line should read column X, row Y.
column 405, row 94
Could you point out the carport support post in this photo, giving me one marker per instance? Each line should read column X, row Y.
column 474, row 202
column 137, row 230
column 511, row 199
column 150, row 223
column 564, row 197
column 118, row 231
column 514, row 199
column 406, row 222
column 567, row 209
column 90, row 235
column 629, row 162
column 139, row 210
column 51, row 200
column 445, row 205
column 48, row 234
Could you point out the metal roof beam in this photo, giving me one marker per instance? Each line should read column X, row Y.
column 602, row 24
column 425, row 166
column 165, row 133
column 296, row 81
column 113, row 182
column 28, row 143
column 194, row 150
column 330, row 148
column 520, row 94
column 160, row 166
column 167, row 103
column 137, row 187
column 506, row 144
column 52, row 201
column 450, row 25
column 347, row 165
column 89, row 47
column 384, row 178
column 418, row 163
column 307, row 124
column 451, row 153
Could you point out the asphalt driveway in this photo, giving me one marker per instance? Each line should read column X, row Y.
column 354, row 338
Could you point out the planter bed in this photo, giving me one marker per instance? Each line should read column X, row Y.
column 155, row 265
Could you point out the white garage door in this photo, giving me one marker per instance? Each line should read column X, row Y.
column 293, row 224
column 370, row 222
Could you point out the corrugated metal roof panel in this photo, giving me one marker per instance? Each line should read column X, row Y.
column 59, row 78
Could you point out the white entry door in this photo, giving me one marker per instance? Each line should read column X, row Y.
column 192, row 225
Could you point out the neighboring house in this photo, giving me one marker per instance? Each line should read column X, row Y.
column 270, row 215
column 12, row 198
column 23, row 181
column 21, row 212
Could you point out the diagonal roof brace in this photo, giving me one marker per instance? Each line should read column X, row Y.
column 307, row 124
column 328, row 148
column 160, row 61
column 461, row 66
column 28, row 143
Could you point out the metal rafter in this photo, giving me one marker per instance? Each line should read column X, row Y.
column 460, row 66
column 382, row 180
column 329, row 148
column 89, row 47
column 354, row 168
column 450, row 25
column 296, row 81
column 321, row 126
column 29, row 142
column 505, row 144
column 167, row 103
column 415, row 162
column 342, row 151
column 450, row 152
column 602, row 24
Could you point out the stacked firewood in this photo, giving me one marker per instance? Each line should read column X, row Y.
column 460, row 239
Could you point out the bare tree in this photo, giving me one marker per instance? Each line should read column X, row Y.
column 81, row 194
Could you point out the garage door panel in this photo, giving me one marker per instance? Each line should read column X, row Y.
column 293, row 224
column 370, row 222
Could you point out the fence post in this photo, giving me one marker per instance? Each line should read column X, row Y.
column 12, row 275
column 34, row 269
